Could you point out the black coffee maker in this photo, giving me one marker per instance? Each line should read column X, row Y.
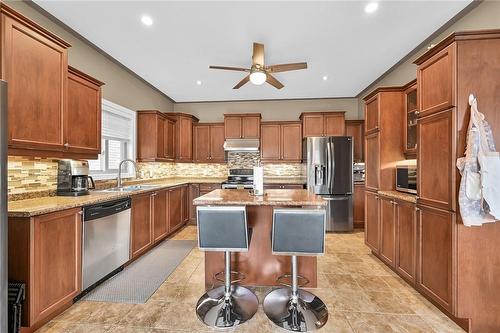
column 73, row 178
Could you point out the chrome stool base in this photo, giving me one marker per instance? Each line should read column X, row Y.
column 308, row 314
column 215, row 310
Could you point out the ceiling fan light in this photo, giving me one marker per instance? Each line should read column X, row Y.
column 258, row 78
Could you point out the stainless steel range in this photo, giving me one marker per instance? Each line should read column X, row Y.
column 239, row 179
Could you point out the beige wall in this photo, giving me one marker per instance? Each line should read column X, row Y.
column 485, row 16
column 122, row 87
column 270, row 110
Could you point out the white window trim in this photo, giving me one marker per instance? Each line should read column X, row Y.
column 124, row 112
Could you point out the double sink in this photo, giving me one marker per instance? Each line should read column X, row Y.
column 132, row 188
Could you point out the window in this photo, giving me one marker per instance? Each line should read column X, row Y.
column 118, row 142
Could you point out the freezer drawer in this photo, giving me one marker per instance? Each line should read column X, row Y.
column 339, row 213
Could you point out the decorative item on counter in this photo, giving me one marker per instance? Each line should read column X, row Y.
column 258, row 180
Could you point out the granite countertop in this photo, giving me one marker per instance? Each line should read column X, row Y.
column 399, row 195
column 49, row 204
column 285, row 180
column 270, row 198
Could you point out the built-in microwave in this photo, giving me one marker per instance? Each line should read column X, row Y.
column 406, row 178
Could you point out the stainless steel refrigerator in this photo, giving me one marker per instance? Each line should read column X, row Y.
column 3, row 207
column 329, row 174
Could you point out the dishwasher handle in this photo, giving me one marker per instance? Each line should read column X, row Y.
column 105, row 209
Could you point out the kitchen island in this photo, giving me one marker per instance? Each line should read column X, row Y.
column 260, row 266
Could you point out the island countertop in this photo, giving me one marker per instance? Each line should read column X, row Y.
column 271, row 197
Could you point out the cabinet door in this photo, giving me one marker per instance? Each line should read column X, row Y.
column 194, row 192
column 436, row 81
column 175, row 208
column 185, row 203
column 185, row 139
column 82, row 125
column 406, row 238
column 270, row 142
column 372, row 220
column 372, row 166
column 436, row 160
column 56, row 263
column 217, row 143
column 141, row 224
column 312, row 125
column 291, row 142
column 232, row 128
column 356, row 130
column 372, row 115
column 160, row 215
column 410, row 127
column 435, row 254
column 160, row 137
column 250, row 127
column 334, row 124
column 387, row 231
column 359, row 205
column 202, row 143
column 169, row 136
column 36, row 68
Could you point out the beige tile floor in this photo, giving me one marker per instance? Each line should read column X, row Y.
column 362, row 295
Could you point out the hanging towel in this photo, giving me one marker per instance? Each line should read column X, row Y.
column 479, row 194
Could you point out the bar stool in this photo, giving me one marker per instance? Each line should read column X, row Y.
column 297, row 232
column 224, row 228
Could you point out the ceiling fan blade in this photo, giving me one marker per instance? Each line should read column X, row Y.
column 258, row 54
column 239, row 69
column 274, row 82
column 242, row 82
column 287, row 67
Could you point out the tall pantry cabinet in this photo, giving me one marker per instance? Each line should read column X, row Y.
column 456, row 264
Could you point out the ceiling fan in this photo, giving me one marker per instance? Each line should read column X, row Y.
column 259, row 72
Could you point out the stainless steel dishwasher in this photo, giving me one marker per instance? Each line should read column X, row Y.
column 106, row 240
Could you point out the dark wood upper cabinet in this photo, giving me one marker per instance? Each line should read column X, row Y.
column 437, row 81
column 436, row 160
column 183, row 135
column 323, row 123
column 410, row 126
column 82, row 127
column 242, row 126
column 384, row 120
column 35, row 65
column 356, row 129
column 155, row 136
column 208, row 143
column 281, row 141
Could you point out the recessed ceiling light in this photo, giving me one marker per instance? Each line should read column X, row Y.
column 325, row 78
column 198, row 82
column 147, row 20
column 371, row 7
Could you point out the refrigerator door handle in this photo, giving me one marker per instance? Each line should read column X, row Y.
column 336, row 199
column 331, row 165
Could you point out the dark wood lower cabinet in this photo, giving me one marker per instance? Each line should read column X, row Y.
column 45, row 253
column 142, row 237
column 194, row 192
column 406, row 240
column 160, row 215
column 372, row 229
column 436, row 233
column 358, row 203
column 175, row 205
column 387, row 231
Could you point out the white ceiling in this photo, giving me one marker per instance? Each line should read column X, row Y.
column 337, row 39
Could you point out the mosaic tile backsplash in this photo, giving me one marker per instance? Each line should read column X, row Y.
column 39, row 175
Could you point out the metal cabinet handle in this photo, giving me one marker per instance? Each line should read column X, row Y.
column 66, row 145
column 417, row 113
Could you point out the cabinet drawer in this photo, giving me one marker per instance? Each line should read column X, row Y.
column 436, row 82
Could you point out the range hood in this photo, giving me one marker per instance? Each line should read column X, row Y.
column 241, row 145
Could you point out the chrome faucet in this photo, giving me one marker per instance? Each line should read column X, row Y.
column 119, row 179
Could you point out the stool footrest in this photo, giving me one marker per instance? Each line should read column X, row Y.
column 305, row 281
column 217, row 276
